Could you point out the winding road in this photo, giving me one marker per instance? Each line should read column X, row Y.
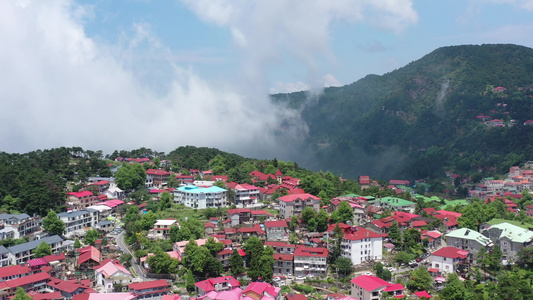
column 125, row 248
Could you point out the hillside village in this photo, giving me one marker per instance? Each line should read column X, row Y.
column 199, row 235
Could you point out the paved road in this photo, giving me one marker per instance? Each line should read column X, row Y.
column 122, row 245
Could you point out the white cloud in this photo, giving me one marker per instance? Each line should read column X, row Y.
column 62, row 88
column 268, row 30
column 330, row 80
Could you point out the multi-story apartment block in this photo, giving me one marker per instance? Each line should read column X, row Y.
column 449, row 259
column 283, row 264
column 4, row 259
column 81, row 200
column 78, row 219
column 17, row 226
column 276, row 230
column 467, row 239
column 310, row 261
column 291, row 205
column 157, row 178
column 22, row 253
column 510, row 238
column 361, row 245
column 200, row 198
column 246, row 195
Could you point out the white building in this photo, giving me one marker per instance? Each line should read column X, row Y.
column 366, row 287
column 162, row 228
column 111, row 273
column 78, row 220
column 20, row 224
column 200, row 198
column 19, row 254
column 448, row 259
column 362, row 245
column 310, row 261
column 246, row 195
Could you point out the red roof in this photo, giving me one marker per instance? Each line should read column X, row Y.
column 14, row 270
column 238, row 211
column 209, row 224
column 293, row 197
column 433, row 270
column 148, row 285
column 451, row 252
column 311, row 251
column 27, row 279
column 271, row 224
column 419, row 223
column 394, row 287
column 296, row 296
column 361, row 233
column 286, row 257
column 278, row 173
column 209, row 284
column 422, row 295
column 261, row 287
column 225, row 252
column 260, row 212
column 80, row 194
column 369, row 283
column 157, row 172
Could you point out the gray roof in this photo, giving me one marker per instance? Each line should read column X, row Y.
column 3, row 250
column 10, row 216
column 76, row 213
column 103, row 223
column 33, row 244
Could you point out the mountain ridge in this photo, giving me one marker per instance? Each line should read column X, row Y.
column 381, row 125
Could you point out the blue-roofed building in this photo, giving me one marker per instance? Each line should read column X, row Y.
column 197, row 197
column 22, row 253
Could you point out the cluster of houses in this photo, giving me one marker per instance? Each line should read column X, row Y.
column 517, row 181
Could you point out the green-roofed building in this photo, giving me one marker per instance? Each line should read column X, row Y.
column 393, row 203
column 510, row 238
column 351, row 195
column 461, row 202
column 527, row 226
column 467, row 239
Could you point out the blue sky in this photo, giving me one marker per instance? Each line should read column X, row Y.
column 160, row 74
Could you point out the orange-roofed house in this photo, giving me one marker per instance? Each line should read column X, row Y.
column 294, row 204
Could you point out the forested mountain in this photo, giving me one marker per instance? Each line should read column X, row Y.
column 422, row 119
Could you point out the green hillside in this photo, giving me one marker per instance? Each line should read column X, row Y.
column 421, row 119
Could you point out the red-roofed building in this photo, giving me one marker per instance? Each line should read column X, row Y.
column 34, row 282
column 449, row 259
column 157, row 178
column 364, row 182
column 14, row 272
column 283, row 264
column 149, row 289
column 396, row 290
column 45, row 296
column 243, row 234
column 366, row 287
column 246, row 195
column 185, row 179
column 310, row 261
column 67, row 288
column 80, row 200
column 294, row 204
column 224, row 257
column 224, row 283
column 281, row 247
column 360, row 244
column 261, row 291
column 400, row 182
column 111, row 272
column 89, row 257
column 292, row 296
column 276, row 230
column 422, row 295
column 259, row 216
column 239, row 216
